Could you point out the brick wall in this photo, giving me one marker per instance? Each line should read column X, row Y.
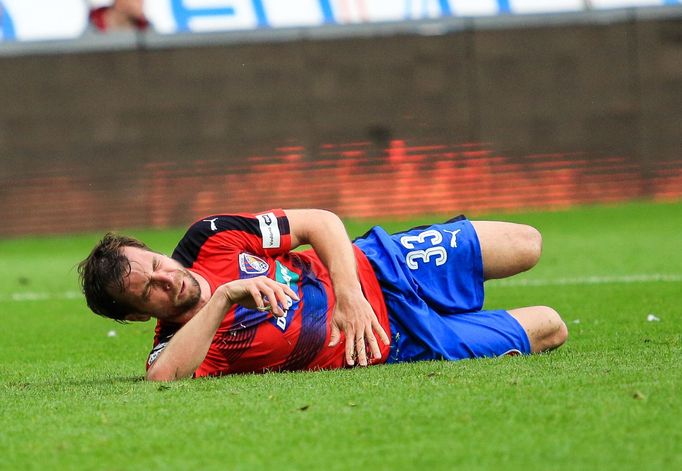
column 159, row 137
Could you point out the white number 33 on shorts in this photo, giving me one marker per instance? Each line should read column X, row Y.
column 435, row 252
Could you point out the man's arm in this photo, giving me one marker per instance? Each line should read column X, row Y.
column 188, row 347
column 353, row 314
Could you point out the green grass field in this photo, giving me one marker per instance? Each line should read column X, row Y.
column 72, row 397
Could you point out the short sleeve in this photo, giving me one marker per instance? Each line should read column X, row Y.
column 267, row 234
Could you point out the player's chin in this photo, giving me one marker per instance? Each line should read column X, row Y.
column 186, row 300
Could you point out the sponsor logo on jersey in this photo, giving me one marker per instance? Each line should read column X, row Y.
column 283, row 321
column 269, row 230
column 289, row 278
column 252, row 265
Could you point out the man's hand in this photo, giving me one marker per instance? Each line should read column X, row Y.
column 355, row 317
column 260, row 293
column 188, row 347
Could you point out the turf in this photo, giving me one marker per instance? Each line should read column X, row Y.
column 72, row 397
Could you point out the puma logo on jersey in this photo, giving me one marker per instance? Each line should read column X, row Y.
column 453, row 240
column 212, row 221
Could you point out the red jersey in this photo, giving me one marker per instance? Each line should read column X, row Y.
column 223, row 248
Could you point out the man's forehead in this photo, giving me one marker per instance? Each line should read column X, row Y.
column 140, row 261
column 136, row 254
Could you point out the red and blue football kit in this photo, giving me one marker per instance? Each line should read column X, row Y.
column 223, row 248
column 425, row 286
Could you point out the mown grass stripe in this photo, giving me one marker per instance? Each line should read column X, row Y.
column 511, row 282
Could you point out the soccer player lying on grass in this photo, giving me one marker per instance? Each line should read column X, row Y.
column 234, row 298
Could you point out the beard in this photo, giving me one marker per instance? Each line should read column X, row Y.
column 192, row 293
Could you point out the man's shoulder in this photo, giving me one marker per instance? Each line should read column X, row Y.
column 195, row 238
column 220, row 223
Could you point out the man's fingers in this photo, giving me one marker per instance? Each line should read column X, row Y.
column 262, row 293
column 257, row 297
column 270, row 300
column 283, row 302
column 335, row 336
column 350, row 347
column 277, row 297
column 358, row 322
column 290, row 292
column 374, row 349
column 360, row 349
column 285, row 295
column 380, row 330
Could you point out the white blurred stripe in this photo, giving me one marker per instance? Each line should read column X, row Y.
column 591, row 280
column 39, row 296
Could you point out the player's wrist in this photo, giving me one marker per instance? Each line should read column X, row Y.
column 224, row 295
column 348, row 292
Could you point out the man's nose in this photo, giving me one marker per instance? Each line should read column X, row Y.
column 163, row 278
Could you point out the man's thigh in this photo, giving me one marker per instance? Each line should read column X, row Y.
column 507, row 248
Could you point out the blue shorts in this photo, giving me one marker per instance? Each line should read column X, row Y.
column 432, row 281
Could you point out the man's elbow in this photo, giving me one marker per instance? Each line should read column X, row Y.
column 160, row 374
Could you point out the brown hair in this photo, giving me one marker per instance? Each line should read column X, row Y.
column 103, row 271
